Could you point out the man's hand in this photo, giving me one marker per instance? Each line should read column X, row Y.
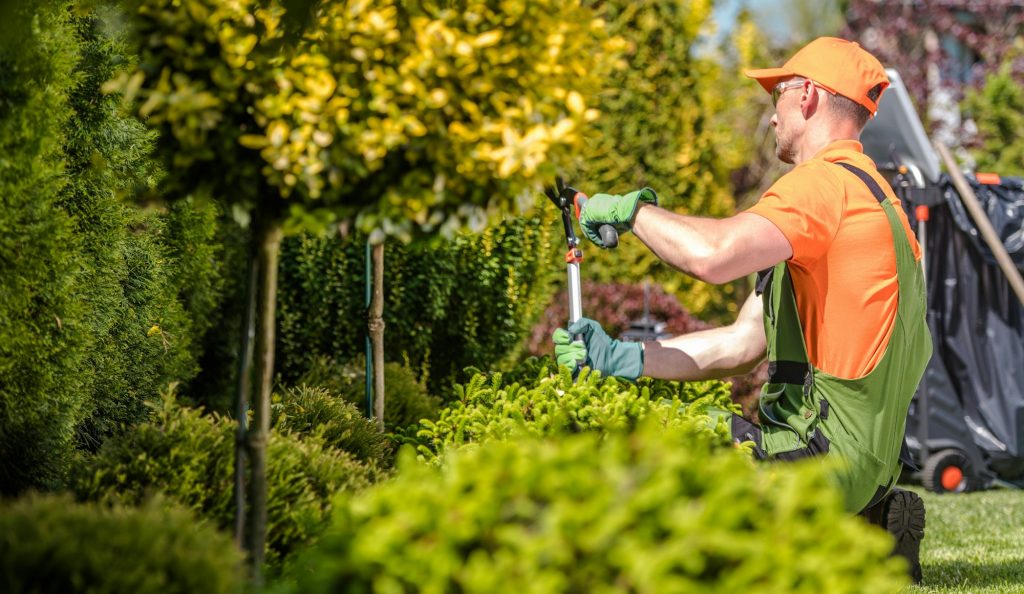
column 614, row 210
column 598, row 351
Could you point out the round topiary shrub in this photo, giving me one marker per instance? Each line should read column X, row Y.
column 406, row 399
column 190, row 457
column 539, row 398
column 661, row 509
column 53, row 545
column 315, row 411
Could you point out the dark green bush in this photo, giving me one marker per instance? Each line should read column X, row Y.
column 44, row 331
column 190, row 458
column 151, row 276
column 406, row 400
column 52, row 545
column 662, row 509
column 104, row 301
column 313, row 410
column 552, row 403
column 468, row 301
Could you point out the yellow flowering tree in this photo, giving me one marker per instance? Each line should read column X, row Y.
column 403, row 119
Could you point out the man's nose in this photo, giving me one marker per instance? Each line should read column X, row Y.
column 775, row 120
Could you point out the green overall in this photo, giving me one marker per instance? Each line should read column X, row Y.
column 862, row 420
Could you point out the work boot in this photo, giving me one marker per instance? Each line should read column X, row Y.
column 901, row 513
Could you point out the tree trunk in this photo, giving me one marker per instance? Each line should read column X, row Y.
column 376, row 325
column 244, row 387
column 267, row 238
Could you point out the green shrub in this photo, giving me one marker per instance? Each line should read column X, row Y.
column 315, row 411
column 468, row 301
column 105, row 300
column 53, row 545
column 190, row 458
column 997, row 109
column 552, row 403
column 43, row 323
column 406, row 400
column 151, row 277
column 663, row 509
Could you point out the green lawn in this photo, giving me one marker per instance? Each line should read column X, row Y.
column 973, row 543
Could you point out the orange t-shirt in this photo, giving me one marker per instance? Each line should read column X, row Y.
column 844, row 260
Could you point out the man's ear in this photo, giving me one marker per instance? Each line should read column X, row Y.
column 809, row 100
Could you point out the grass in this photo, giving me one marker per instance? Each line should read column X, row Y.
column 974, row 543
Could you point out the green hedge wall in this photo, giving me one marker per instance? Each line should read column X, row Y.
column 52, row 545
column 469, row 301
column 661, row 509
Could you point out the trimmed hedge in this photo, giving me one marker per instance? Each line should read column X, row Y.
column 553, row 403
column 662, row 509
column 468, row 301
column 52, row 545
column 190, row 458
column 614, row 305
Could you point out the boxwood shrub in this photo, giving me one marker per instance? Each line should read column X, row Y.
column 661, row 509
column 52, row 545
column 189, row 457
column 538, row 398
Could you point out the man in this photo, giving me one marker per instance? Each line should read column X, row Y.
column 840, row 302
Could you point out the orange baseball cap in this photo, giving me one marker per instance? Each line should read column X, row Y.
column 839, row 65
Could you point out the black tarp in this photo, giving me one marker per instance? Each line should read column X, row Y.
column 975, row 381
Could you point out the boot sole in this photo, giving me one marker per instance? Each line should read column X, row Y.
column 905, row 521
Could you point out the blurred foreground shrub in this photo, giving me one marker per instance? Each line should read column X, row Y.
column 662, row 509
column 51, row 545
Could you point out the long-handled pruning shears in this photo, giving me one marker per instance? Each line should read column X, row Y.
column 568, row 199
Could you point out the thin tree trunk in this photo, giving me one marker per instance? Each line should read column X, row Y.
column 268, row 244
column 376, row 325
column 244, row 387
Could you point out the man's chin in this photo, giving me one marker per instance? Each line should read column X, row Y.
column 783, row 156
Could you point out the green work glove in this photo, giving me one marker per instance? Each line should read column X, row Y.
column 598, row 351
column 614, row 210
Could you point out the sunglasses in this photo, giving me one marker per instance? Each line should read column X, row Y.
column 782, row 87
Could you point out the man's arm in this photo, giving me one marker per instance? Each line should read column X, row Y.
column 710, row 354
column 713, row 250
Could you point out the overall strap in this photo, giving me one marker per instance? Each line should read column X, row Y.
column 905, row 259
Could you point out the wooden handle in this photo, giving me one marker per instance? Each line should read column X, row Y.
column 988, row 234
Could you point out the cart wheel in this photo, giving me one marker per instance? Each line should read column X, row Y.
column 947, row 471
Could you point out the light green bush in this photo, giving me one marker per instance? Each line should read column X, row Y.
column 190, row 458
column 539, row 399
column 52, row 545
column 661, row 509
